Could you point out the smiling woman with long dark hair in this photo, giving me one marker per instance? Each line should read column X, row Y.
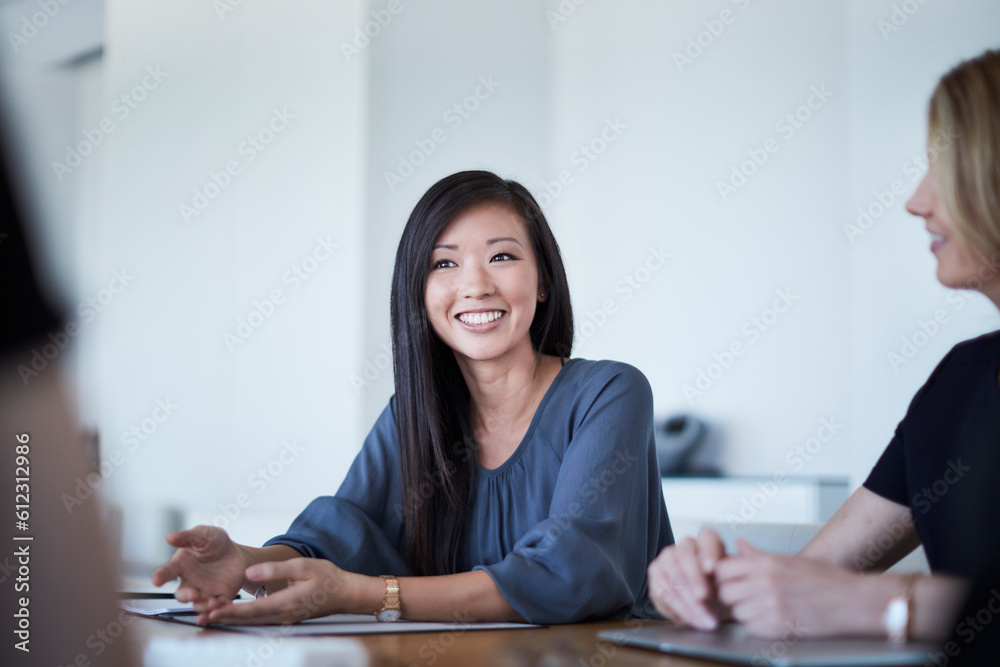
column 504, row 481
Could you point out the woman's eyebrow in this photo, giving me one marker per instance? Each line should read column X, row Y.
column 451, row 246
column 503, row 238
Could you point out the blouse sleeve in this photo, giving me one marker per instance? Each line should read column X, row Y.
column 361, row 527
column 588, row 558
column 889, row 476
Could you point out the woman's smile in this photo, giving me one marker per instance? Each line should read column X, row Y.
column 480, row 321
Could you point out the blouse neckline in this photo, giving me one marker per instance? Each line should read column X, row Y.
column 512, row 459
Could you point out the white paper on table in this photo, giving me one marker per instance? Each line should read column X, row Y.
column 355, row 624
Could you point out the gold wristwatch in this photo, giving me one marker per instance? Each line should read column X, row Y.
column 390, row 610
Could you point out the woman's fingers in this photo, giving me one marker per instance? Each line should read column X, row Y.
column 291, row 569
column 670, row 582
column 682, row 580
column 696, row 586
column 266, row 611
column 277, row 608
column 211, row 603
column 663, row 590
column 320, row 574
column 167, row 572
column 710, row 550
column 695, row 583
column 186, row 538
column 195, row 539
column 308, row 594
column 187, row 593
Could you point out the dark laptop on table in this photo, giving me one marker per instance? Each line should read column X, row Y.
column 731, row 644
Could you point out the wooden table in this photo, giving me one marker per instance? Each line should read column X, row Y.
column 556, row 646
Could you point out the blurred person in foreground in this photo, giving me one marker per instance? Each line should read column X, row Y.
column 933, row 483
column 56, row 569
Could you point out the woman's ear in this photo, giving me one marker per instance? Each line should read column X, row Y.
column 543, row 294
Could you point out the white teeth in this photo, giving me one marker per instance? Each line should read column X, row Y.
column 480, row 318
column 938, row 237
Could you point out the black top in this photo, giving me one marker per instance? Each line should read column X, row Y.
column 942, row 453
column 27, row 317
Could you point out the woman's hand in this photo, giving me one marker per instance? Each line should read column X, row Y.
column 210, row 566
column 682, row 581
column 791, row 596
column 316, row 587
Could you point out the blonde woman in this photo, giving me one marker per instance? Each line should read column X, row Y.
column 920, row 490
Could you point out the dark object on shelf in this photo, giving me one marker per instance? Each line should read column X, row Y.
column 676, row 441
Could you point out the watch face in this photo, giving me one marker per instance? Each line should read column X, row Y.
column 896, row 614
column 388, row 615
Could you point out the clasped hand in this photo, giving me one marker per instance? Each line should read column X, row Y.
column 695, row 583
column 212, row 569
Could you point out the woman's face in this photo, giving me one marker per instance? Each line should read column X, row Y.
column 482, row 288
column 956, row 267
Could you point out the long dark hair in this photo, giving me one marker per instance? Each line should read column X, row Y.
column 436, row 444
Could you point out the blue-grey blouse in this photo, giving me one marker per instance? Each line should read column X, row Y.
column 565, row 527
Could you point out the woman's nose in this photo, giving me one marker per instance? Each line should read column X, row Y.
column 922, row 201
column 475, row 282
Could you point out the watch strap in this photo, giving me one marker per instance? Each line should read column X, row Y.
column 391, row 601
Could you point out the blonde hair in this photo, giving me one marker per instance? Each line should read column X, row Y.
column 965, row 116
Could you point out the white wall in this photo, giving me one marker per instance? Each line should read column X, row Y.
column 688, row 126
column 252, row 72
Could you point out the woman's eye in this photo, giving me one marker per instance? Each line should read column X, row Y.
column 442, row 264
column 503, row 257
